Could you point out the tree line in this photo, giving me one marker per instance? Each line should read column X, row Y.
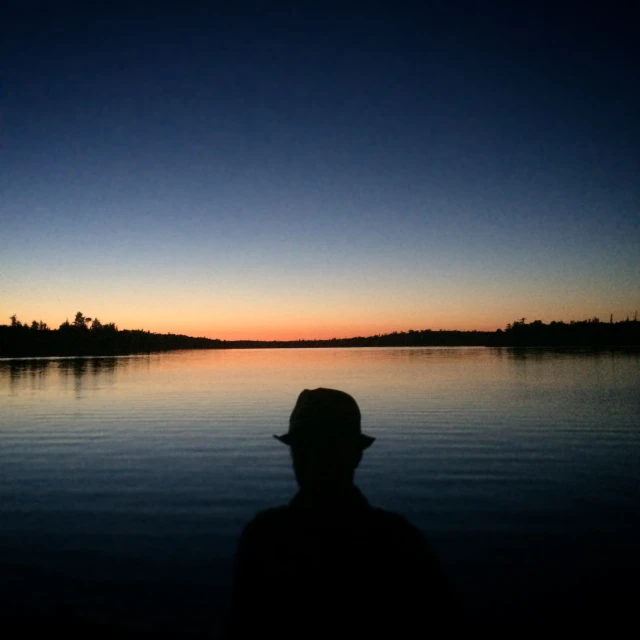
column 591, row 332
column 89, row 336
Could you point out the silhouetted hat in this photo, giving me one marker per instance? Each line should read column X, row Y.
column 326, row 415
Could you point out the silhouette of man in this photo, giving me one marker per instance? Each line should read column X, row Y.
column 329, row 562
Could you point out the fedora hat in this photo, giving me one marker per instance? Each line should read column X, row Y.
column 322, row 415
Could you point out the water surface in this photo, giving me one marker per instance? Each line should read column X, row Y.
column 126, row 480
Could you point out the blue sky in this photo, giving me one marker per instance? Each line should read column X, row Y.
column 271, row 171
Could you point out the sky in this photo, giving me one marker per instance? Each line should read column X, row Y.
column 314, row 170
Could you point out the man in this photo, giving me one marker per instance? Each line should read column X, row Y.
column 329, row 562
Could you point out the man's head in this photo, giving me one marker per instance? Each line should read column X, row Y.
column 325, row 438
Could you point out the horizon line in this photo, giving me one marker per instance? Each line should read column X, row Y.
column 351, row 336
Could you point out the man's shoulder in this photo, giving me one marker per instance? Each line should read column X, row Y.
column 269, row 516
column 267, row 521
column 395, row 522
column 393, row 518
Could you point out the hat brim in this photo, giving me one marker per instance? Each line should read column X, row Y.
column 364, row 441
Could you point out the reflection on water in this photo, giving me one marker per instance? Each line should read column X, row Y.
column 30, row 374
column 123, row 477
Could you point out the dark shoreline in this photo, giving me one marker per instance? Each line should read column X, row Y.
column 23, row 341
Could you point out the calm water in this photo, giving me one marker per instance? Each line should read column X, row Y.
column 126, row 481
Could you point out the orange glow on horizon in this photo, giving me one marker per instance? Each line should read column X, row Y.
column 250, row 329
column 290, row 334
column 270, row 324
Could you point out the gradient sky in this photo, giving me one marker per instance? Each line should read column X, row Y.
column 266, row 171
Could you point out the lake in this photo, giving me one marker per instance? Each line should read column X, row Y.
column 125, row 481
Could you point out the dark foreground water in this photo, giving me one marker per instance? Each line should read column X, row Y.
column 126, row 481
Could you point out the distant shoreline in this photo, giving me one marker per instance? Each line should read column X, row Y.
column 37, row 340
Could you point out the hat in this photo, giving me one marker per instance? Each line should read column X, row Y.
column 327, row 415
